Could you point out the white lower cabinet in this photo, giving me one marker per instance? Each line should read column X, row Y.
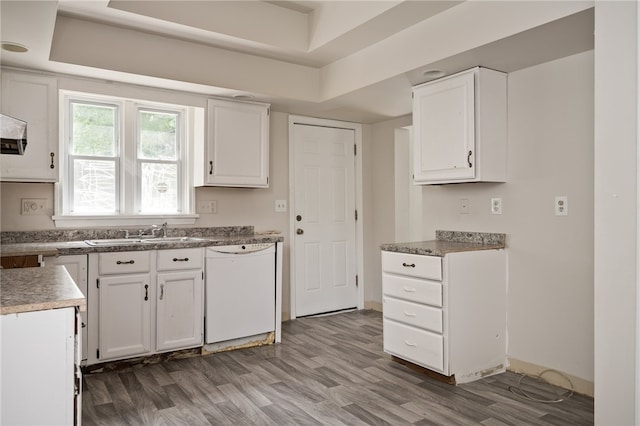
column 125, row 316
column 144, row 302
column 447, row 314
column 179, row 312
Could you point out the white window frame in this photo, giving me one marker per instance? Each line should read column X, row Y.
column 128, row 165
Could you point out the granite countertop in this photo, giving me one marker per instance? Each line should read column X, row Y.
column 73, row 242
column 38, row 289
column 450, row 242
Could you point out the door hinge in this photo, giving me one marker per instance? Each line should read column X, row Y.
column 356, row 214
column 97, row 282
column 356, row 281
column 98, row 353
column 355, row 149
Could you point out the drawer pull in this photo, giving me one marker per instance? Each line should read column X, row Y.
column 175, row 259
column 408, row 343
column 409, row 314
column 146, row 292
column 409, row 289
column 408, row 265
column 161, row 291
column 129, row 262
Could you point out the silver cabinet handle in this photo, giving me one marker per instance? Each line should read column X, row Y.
column 408, row 343
column 469, row 158
column 409, row 289
column 409, row 314
column 161, row 291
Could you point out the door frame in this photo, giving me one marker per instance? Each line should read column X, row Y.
column 357, row 128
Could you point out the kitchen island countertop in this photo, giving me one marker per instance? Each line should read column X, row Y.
column 38, row 289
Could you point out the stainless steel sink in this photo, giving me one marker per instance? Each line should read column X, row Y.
column 114, row 242
column 173, row 240
column 131, row 241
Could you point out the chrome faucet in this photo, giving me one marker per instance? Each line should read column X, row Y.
column 164, row 229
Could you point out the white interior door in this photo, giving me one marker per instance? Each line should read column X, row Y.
column 324, row 211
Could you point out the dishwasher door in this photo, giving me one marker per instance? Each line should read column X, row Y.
column 240, row 292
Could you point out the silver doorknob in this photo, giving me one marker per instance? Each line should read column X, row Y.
column 299, row 231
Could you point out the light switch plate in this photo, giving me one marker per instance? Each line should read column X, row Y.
column 207, row 206
column 496, row 206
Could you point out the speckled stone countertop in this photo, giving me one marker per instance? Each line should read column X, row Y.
column 450, row 242
column 38, row 289
column 57, row 243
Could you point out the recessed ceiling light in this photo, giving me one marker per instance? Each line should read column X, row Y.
column 434, row 73
column 10, row 46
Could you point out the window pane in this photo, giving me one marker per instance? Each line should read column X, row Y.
column 93, row 129
column 94, row 186
column 157, row 135
column 159, row 188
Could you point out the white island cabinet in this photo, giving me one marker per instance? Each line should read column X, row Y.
column 40, row 347
column 447, row 314
column 460, row 128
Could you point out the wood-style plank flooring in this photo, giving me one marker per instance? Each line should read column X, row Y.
column 327, row 371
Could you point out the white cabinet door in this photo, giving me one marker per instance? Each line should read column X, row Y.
column 125, row 316
column 32, row 98
column 460, row 128
column 444, row 126
column 179, row 319
column 76, row 265
column 238, row 144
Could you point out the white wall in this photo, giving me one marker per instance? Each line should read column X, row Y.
column 617, row 375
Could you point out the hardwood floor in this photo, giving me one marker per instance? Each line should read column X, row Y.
column 327, row 371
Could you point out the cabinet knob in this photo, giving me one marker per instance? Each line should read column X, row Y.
column 299, row 231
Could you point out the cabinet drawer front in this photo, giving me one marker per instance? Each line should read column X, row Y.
column 125, row 262
column 171, row 260
column 415, row 290
column 412, row 265
column 418, row 346
column 421, row 316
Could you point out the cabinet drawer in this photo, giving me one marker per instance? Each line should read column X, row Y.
column 179, row 259
column 125, row 262
column 418, row 346
column 412, row 265
column 422, row 316
column 413, row 289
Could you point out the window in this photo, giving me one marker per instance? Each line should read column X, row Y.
column 123, row 158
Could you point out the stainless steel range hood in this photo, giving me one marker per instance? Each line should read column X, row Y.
column 13, row 135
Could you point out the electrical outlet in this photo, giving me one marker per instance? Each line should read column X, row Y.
column 561, row 205
column 464, row 206
column 281, row 206
column 32, row 206
column 207, row 206
column 496, row 206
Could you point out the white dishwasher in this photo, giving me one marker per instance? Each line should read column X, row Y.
column 240, row 291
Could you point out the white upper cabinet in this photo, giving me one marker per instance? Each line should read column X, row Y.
column 237, row 148
column 460, row 128
column 34, row 99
